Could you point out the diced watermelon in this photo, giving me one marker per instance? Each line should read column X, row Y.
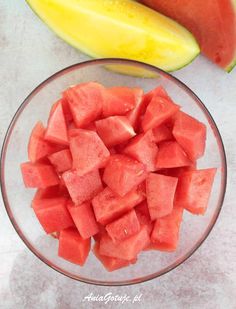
column 52, row 213
column 82, row 188
column 108, row 207
column 56, row 131
column 50, row 192
column 158, row 111
column 194, row 189
column 37, row 175
column 124, row 227
column 122, row 174
column 73, row 247
column 66, row 110
column 88, row 151
column 190, row 134
column 119, row 100
column 159, row 91
column 143, row 216
column 61, row 160
column 111, row 263
column 165, row 234
column 127, row 249
column 160, row 192
column 38, row 147
column 84, row 219
column 162, row 133
column 143, row 149
column 171, row 155
column 114, row 130
column 85, row 102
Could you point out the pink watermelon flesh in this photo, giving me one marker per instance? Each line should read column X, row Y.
column 178, row 171
column 53, row 214
column 66, row 110
column 37, row 175
column 122, row 174
column 73, row 247
column 56, row 131
column 124, row 227
column 61, row 160
column 144, row 149
column 190, row 134
column 171, row 155
column 84, row 219
column 162, row 133
column 82, row 188
column 85, row 102
column 114, row 130
column 127, row 249
column 160, row 192
column 108, row 207
column 159, row 91
column 194, row 189
column 120, row 100
column 88, row 151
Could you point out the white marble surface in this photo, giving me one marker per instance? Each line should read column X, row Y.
column 29, row 53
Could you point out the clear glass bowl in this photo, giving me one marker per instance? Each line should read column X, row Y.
column 17, row 199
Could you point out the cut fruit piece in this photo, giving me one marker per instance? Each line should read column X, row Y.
column 127, row 249
column 53, row 214
column 158, row 111
column 56, row 131
column 88, row 151
column 119, row 100
column 37, row 175
column 160, row 192
column 162, row 133
column 50, row 192
column 144, row 34
column 165, row 234
column 190, row 134
column 84, row 219
column 82, row 188
column 111, row 263
column 114, row 130
column 202, row 18
column 108, row 207
column 194, row 189
column 85, row 102
column 171, row 155
column 72, row 247
column 143, row 216
column 124, row 227
column 38, row 147
column 122, row 174
column 66, row 110
column 143, row 148
column 159, row 91
column 61, row 160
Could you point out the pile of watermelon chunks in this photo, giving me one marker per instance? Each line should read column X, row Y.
column 117, row 165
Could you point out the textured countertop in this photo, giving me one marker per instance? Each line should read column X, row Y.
column 30, row 53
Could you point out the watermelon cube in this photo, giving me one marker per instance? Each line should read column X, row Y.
column 88, row 151
column 72, row 247
column 111, row 263
column 194, row 189
column 165, row 234
column 162, row 133
column 107, row 206
column 37, row 175
column 142, row 213
column 119, row 100
column 61, row 160
column 159, row 91
column 52, row 213
column 171, row 155
column 122, row 174
column 50, row 192
column 190, row 134
column 158, row 111
column 124, row 227
column 85, row 102
column 82, row 188
column 66, row 110
column 127, row 249
column 56, row 131
column 84, row 219
column 143, row 148
column 160, row 192
column 114, row 130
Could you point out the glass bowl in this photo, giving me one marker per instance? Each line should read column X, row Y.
column 17, row 199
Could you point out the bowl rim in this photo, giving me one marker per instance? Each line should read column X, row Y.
column 108, row 61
